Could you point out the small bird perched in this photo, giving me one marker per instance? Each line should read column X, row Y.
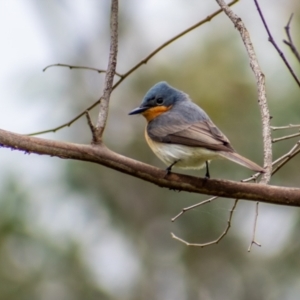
column 181, row 134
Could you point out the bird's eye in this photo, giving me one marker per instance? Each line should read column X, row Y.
column 159, row 101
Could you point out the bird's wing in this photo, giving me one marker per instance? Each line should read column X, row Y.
column 200, row 134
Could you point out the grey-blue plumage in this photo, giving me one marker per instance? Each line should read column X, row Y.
column 180, row 133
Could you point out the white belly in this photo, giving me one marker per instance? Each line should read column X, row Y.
column 186, row 157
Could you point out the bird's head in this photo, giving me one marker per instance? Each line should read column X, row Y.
column 159, row 99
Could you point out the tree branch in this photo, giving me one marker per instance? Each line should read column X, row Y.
column 254, row 241
column 103, row 156
column 286, row 137
column 78, row 67
column 216, row 241
column 109, row 75
column 281, row 161
column 134, row 68
column 260, row 81
column 290, row 42
column 272, row 41
column 185, row 209
column 290, row 126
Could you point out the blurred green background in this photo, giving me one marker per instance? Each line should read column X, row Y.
column 74, row 230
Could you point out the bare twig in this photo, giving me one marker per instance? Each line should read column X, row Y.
column 272, row 41
column 286, row 137
column 286, row 157
column 285, row 127
column 78, row 67
column 173, row 39
column 192, row 207
column 92, row 127
column 142, row 62
column 281, row 161
column 253, row 241
column 110, row 73
column 252, row 178
column 294, row 148
column 290, row 42
column 212, row 242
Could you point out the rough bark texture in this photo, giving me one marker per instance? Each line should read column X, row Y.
column 103, row 156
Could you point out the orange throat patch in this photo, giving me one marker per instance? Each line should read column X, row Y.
column 155, row 111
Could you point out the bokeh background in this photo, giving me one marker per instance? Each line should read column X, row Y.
column 74, row 230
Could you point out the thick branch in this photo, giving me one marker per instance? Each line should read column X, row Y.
column 101, row 155
column 110, row 73
column 260, row 81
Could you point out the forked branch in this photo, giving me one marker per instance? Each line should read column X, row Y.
column 272, row 41
column 261, row 89
column 134, row 68
column 216, row 241
column 290, row 42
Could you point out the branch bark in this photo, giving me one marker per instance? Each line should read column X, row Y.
column 262, row 98
column 103, row 156
column 134, row 68
column 261, row 90
column 109, row 75
column 272, row 41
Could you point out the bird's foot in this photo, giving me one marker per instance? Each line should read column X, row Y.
column 169, row 168
column 207, row 175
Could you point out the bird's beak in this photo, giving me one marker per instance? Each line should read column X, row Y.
column 138, row 110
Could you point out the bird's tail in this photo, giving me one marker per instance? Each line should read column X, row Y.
column 239, row 159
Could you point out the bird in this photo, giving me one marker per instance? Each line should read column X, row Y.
column 181, row 134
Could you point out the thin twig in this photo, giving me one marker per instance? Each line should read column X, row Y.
column 212, row 242
column 252, row 178
column 286, row 137
column 110, row 73
column 254, row 230
column 142, row 62
column 281, row 161
column 170, row 41
column 92, row 127
column 294, row 148
column 286, row 157
column 78, row 67
column 285, row 127
column 272, row 41
column 192, row 207
column 290, row 42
